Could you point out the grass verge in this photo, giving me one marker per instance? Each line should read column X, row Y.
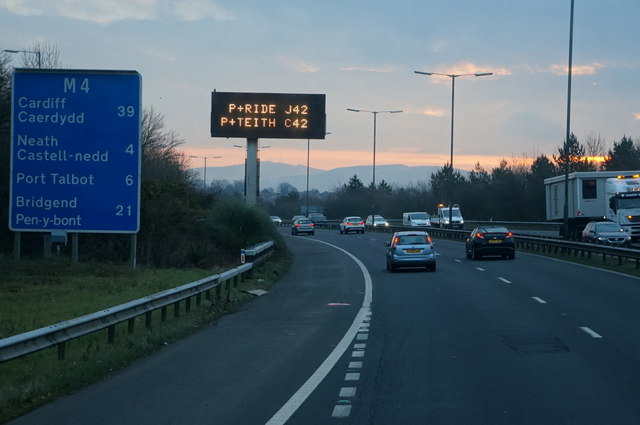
column 37, row 294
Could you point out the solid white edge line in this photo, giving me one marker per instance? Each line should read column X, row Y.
column 591, row 332
column 312, row 383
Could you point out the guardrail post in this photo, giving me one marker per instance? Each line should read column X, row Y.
column 163, row 314
column 147, row 319
column 61, row 349
column 176, row 309
column 111, row 332
column 130, row 325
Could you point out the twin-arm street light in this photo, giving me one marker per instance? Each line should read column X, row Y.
column 373, row 184
column 205, row 167
column 453, row 89
column 27, row 51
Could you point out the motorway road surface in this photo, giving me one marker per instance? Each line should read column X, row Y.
column 525, row 341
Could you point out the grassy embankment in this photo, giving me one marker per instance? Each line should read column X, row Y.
column 38, row 294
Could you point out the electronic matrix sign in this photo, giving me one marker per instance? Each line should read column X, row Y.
column 268, row 115
column 75, row 151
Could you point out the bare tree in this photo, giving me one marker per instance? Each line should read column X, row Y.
column 596, row 147
column 42, row 54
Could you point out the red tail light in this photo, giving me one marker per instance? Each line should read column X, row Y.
column 509, row 234
column 480, row 235
column 312, row 225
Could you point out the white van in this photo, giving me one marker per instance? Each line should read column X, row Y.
column 416, row 219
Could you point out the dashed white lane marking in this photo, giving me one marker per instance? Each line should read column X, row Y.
column 504, row 280
column 359, row 346
column 362, row 337
column 355, row 365
column 358, row 353
column 591, row 332
column 364, row 314
column 540, row 300
column 348, row 392
column 352, row 376
column 341, row 411
column 457, row 260
column 480, row 269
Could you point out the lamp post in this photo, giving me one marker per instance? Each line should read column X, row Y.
column 565, row 220
column 27, row 51
column 373, row 184
column 308, row 148
column 453, row 89
column 204, row 180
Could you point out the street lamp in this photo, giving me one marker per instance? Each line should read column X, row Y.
column 27, row 51
column 205, row 167
column 308, row 148
column 373, row 185
column 453, row 89
column 565, row 225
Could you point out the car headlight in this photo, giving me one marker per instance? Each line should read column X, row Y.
column 461, row 221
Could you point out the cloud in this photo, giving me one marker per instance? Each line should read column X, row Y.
column 298, row 65
column 577, row 69
column 432, row 112
column 107, row 11
column 384, row 69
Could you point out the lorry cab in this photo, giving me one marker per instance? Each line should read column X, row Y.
column 450, row 218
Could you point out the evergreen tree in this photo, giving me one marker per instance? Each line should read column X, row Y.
column 572, row 155
column 625, row 155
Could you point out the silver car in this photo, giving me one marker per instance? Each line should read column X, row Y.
column 352, row 224
column 410, row 249
column 302, row 225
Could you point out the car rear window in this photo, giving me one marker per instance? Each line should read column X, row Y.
column 414, row 239
column 496, row 230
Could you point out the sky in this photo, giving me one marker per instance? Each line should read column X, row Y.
column 362, row 54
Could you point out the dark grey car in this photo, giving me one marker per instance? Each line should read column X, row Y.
column 606, row 232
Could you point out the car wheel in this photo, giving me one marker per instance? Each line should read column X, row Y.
column 341, row 232
column 388, row 267
column 468, row 253
column 313, row 233
column 512, row 256
column 474, row 254
column 432, row 267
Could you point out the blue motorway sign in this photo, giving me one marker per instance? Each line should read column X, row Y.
column 75, row 151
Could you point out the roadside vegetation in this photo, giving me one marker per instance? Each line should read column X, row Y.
column 41, row 293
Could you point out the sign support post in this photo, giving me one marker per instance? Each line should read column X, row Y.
column 252, row 172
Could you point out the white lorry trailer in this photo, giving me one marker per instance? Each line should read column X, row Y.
column 595, row 196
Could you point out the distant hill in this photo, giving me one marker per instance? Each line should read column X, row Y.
column 274, row 173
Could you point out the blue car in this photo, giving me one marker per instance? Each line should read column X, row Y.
column 410, row 249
